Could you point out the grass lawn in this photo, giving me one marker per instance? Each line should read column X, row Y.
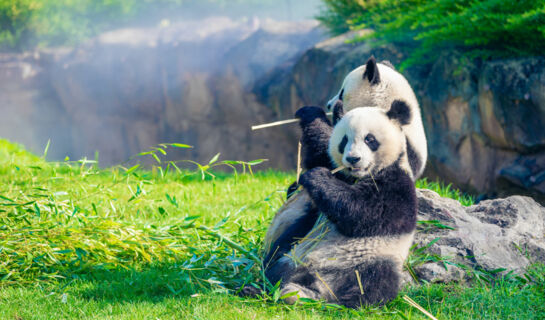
column 78, row 242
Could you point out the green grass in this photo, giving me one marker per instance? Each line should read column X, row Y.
column 446, row 191
column 79, row 242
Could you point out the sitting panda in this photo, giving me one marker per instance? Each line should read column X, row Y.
column 379, row 85
column 349, row 233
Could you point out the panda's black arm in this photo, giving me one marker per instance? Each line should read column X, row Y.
column 317, row 130
column 362, row 209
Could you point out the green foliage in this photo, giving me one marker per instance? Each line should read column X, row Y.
column 15, row 15
column 67, row 220
column 446, row 191
column 24, row 22
column 27, row 23
column 124, row 243
column 339, row 15
column 480, row 28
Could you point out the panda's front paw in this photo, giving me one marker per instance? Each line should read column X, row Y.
column 315, row 176
column 309, row 114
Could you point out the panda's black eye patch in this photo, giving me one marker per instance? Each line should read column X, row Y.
column 343, row 143
column 372, row 142
column 341, row 95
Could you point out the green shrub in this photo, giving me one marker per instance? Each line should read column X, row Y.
column 15, row 16
column 27, row 23
column 479, row 28
column 338, row 15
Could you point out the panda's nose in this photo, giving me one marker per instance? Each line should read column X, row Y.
column 353, row 160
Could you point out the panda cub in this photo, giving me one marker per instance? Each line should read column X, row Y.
column 379, row 85
column 351, row 232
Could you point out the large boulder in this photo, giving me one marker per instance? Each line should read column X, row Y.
column 494, row 236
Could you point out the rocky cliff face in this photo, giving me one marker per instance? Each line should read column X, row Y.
column 128, row 90
column 205, row 83
column 484, row 121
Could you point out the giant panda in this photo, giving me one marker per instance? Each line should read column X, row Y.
column 379, row 85
column 351, row 231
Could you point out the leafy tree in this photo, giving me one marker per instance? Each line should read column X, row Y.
column 27, row 23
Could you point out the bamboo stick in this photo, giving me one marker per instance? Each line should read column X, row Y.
column 299, row 169
column 417, row 306
column 338, row 169
column 279, row 123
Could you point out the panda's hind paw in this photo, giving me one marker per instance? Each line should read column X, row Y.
column 249, row 291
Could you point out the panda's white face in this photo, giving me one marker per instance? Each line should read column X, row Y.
column 358, row 90
column 366, row 141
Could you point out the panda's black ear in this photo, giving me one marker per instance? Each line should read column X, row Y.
column 371, row 71
column 400, row 112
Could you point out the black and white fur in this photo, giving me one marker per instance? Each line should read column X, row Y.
column 352, row 232
column 379, row 85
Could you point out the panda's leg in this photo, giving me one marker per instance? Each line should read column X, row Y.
column 297, row 230
column 317, row 130
column 280, row 270
column 378, row 283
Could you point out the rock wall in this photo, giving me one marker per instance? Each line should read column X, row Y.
column 128, row 90
column 205, row 83
column 484, row 121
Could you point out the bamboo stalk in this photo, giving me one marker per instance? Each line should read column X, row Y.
column 359, row 281
column 373, row 178
column 338, row 169
column 230, row 243
column 417, row 306
column 279, row 123
column 328, row 288
column 299, row 169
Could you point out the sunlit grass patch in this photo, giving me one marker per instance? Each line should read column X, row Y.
column 81, row 242
column 447, row 191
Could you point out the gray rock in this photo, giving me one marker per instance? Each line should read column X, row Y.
column 492, row 235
